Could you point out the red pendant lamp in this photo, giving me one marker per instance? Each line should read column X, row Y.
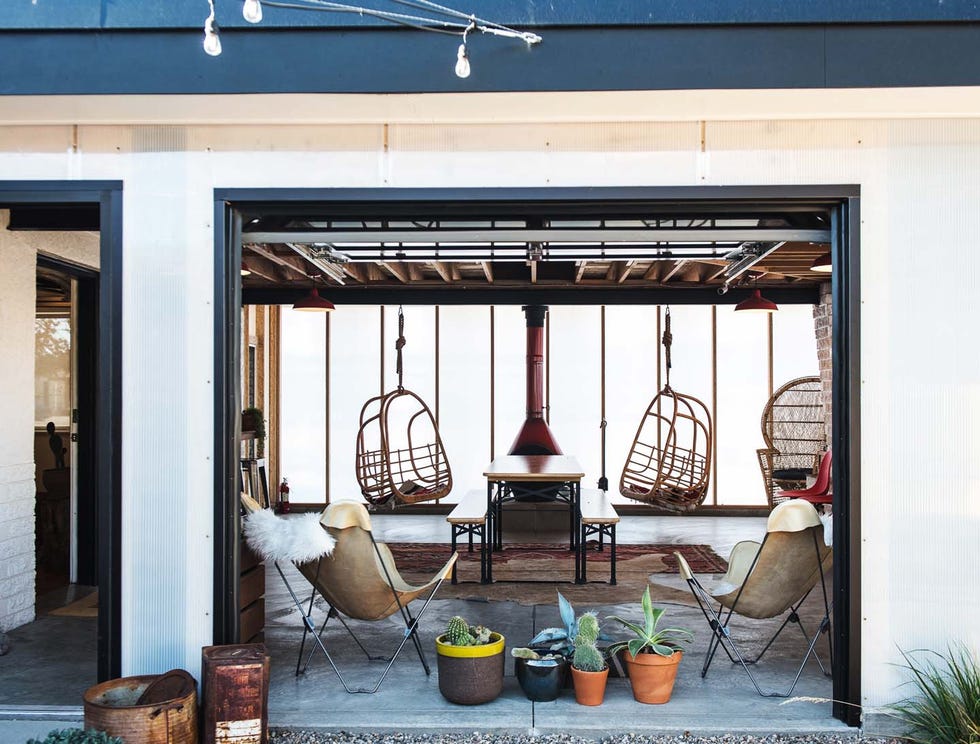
column 756, row 303
column 313, row 303
column 823, row 264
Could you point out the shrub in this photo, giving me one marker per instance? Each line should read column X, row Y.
column 77, row 736
column 946, row 707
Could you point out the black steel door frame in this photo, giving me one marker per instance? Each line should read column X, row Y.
column 107, row 196
column 844, row 201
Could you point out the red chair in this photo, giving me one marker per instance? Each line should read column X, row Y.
column 820, row 491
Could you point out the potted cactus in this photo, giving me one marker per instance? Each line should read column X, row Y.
column 589, row 669
column 471, row 663
column 539, row 675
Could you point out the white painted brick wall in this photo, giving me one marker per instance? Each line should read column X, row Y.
column 17, row 488
column 16, row 545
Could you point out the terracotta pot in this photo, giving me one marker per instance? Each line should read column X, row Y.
column 652, row 676
column 590, row 687
column 471, row 675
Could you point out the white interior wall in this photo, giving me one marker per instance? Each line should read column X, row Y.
column 919, row 387
column 18, row 273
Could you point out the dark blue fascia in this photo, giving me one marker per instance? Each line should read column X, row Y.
column 570, row 59
column 147, row 14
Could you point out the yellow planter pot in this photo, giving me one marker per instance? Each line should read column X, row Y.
column 470, row 675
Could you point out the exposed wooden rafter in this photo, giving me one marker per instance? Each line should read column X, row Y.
column 580, row 270
column 291, row 263
column 444, row 270
column 397, row 270
column 487, row 271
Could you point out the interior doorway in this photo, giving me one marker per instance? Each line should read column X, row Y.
column 66, row 534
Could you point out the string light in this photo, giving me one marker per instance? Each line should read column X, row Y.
column 252, row 11
column 462, row 62
column 462, row 58
column 212, row 42
column 437, row 18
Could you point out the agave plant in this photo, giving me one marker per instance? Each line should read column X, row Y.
column 561, row 640
column 663, row 641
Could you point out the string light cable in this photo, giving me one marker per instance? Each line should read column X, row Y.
column 437, row 18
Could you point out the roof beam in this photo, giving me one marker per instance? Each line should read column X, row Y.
column 674, row 269
column 280, row 260
column 487, row 271
column 580, row 270
column 444, row 271
column 397, row 270
column 544, row 235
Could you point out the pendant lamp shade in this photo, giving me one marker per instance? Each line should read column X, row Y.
column 314, row 303
column 823, row 264
column 756, row 303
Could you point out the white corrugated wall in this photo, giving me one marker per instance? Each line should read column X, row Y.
column 920, row 367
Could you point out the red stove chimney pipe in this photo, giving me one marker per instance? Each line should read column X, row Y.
column 535, row 437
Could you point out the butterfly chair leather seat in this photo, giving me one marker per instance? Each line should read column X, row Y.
column 766, row 580
column 358, row 580
column 355, row 579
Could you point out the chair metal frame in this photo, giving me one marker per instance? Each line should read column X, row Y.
column 719, row 619
column 309, row 627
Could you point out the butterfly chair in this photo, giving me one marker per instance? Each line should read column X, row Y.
column 358, row 580
column 765, row 580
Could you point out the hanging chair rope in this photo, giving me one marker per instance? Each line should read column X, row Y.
column 399, row 345
column 399, row 451
column 669, row 464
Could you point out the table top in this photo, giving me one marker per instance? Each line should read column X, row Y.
column 534, row 468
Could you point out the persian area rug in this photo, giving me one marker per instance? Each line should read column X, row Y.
column 529, row 573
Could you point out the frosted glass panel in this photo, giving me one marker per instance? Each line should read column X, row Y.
column 465, row 391
column 794, row 345
column 575, row 385
column 303, row 417
column 631, row 381
column 355, row 376
column 510, row 404
column 743, row 389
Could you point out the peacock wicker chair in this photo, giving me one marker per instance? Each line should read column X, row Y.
column 795, row 436
column 400, row 454
column 669, row 464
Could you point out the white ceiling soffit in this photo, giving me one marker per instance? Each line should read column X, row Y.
column 588, row 106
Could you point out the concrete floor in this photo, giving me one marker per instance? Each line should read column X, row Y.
column 45, row 669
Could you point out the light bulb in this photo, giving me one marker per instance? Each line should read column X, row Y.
column 252, row 11
column 462, row 62
column 212, row 43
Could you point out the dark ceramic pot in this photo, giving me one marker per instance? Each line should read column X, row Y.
column 541, row 679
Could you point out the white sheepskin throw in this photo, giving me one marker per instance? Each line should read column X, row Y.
column 299, row 539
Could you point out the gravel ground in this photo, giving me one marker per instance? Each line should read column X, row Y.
column 311, row 737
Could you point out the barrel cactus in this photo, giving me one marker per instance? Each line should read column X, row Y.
column 458, row 632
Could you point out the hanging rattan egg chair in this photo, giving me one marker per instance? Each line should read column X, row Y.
column 669, row 464
column 399, row 453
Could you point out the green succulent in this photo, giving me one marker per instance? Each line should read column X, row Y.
column 648, row 639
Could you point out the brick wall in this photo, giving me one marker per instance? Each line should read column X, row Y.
column 823, row 328
column 17, row 290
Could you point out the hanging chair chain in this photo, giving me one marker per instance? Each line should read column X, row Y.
column 399, row 345
column 668, row 339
